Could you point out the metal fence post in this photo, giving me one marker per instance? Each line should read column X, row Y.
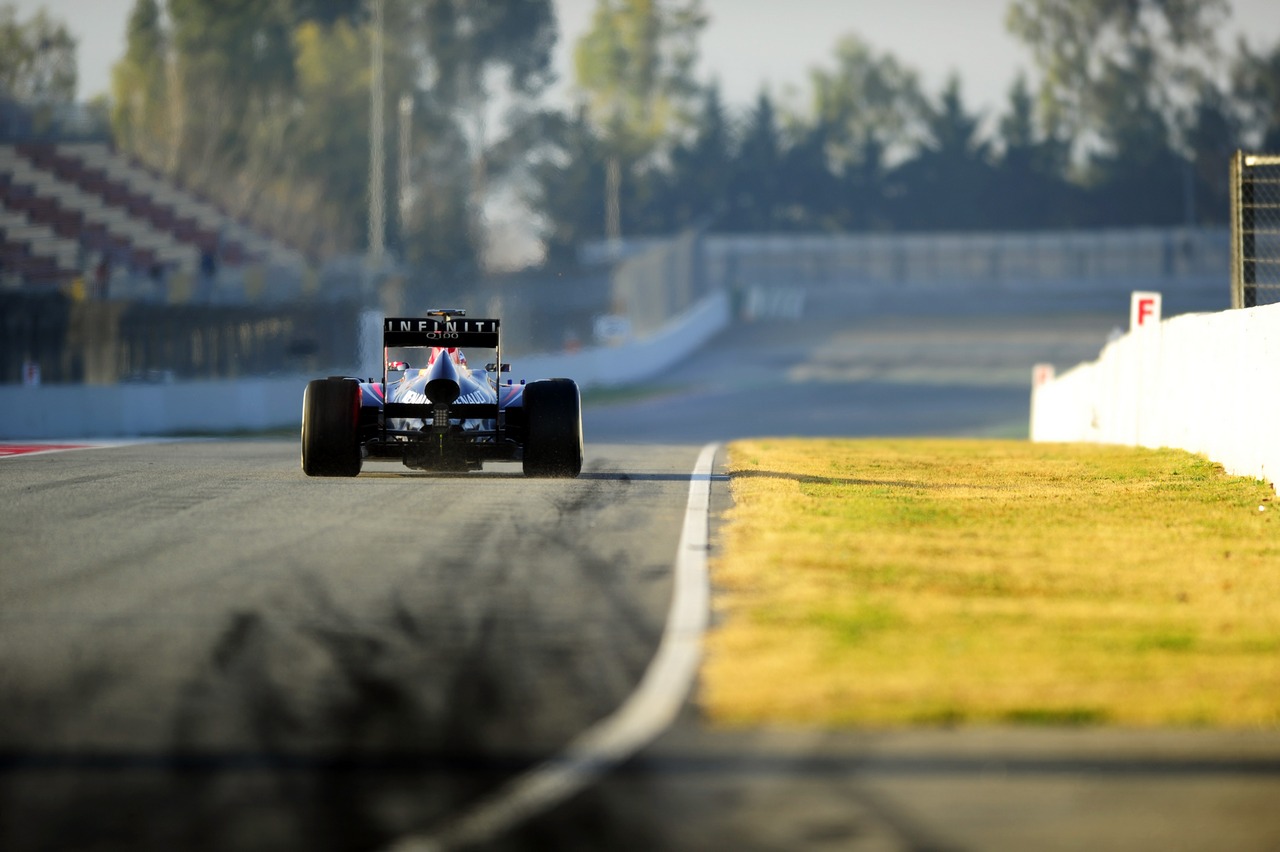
column 1248, row 249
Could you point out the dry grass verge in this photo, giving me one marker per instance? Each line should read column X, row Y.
column 889, row 582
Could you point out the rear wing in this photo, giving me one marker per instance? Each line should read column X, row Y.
column 442, row 328
column 445, row 331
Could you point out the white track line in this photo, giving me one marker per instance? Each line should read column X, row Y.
column 647, row 712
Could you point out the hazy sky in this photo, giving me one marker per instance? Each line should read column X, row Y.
column 751, row 42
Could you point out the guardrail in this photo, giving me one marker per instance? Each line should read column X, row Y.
column 1004, row 261
column 1199, row 382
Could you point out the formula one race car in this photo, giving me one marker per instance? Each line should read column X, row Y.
column 442, row 416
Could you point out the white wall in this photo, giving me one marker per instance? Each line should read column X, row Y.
column 636, row 360
column 1208, row 383
column 108, row 411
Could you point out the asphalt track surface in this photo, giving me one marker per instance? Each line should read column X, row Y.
column 200, row 648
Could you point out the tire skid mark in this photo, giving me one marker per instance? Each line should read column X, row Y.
column 309, row 723
column 648, row 711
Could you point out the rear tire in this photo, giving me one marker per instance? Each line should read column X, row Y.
column 330, row 428
column 553, row 429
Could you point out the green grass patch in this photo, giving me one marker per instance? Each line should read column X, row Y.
column 899, row 582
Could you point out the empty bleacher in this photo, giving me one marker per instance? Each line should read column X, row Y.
column 191, row 216
column 81, row 210
column 31, row 248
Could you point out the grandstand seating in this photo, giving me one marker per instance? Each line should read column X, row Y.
column 68, row 209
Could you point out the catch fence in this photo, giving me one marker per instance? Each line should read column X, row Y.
column 1255, row 230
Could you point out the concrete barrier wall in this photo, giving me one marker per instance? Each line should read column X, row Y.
column 109, row 411
column 1207, row 383
column 637, row 360
column 130, row 410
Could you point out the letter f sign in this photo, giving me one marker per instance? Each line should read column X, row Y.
column 1144, row 310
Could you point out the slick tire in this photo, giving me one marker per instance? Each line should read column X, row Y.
column 553, row 436
column 330, row 428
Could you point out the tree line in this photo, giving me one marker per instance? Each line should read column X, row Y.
column 1128, row 119
column 1131, row 123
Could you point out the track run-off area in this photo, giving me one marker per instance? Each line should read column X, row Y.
column 201, row 648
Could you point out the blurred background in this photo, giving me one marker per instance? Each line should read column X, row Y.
column 209, row 189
